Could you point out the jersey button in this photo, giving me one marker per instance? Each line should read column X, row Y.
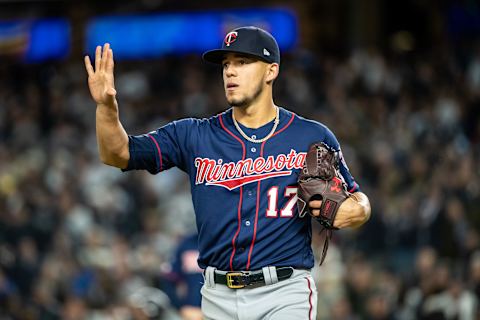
column 247, row 223
column 254, row 136
column 250, row 193
column 253, row 149
column 241, row 249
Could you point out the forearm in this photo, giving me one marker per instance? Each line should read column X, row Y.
column 353, row 212
column 112, row 138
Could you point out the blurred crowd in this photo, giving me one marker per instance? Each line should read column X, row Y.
column 81, row 240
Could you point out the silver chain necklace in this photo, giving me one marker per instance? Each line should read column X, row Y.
column 275, row 124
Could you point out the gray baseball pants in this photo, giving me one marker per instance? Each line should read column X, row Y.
column 292, row 299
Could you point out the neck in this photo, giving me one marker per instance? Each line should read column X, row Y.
column 255, row 115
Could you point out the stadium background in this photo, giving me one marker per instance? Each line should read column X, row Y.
column 397, row 81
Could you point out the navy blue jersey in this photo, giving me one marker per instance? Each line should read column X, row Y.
column 185, row 271
column 244, row 194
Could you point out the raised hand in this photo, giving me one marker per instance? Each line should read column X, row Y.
column 101, row 80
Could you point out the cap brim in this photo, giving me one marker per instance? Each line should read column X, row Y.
column 216, row 56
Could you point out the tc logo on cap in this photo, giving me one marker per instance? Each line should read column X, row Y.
column 230, row 38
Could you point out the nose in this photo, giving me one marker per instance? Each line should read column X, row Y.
column 229, row 70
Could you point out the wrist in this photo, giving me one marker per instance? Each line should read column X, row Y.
column 109, row 106
column 359, row 208
column 106, row 112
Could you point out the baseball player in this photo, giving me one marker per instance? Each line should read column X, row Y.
column 186, row 274
column 243, row 165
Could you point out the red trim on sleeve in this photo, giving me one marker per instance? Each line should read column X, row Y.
column 158, row 150
column 355, row 185
column 258, row 195
column 239, row 211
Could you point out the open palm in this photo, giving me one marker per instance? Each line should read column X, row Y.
column 100, row 79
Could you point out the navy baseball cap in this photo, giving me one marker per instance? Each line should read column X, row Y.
column 250, row 40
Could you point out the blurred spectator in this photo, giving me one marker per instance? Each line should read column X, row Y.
column 150, row 304
column 186, row 279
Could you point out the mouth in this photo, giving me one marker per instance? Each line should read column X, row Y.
column 231, row 86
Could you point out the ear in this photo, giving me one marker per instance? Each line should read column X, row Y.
column 272, row 72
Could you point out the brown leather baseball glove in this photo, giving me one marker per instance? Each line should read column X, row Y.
column 319, row 180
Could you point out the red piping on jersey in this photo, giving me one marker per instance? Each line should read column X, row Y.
column 239, row 212
column 286, row 126
column 258, row 195
column 255, row 225
column 158, row 150
column 310, row 299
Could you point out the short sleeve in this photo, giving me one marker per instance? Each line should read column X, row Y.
column 161, row 149
column 331, row 140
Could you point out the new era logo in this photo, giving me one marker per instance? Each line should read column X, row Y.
column 266, row 52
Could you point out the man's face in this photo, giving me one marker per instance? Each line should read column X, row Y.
column 243, row 79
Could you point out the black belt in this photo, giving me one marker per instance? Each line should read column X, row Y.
column 242, row 279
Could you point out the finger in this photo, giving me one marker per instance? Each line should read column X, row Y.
column 315, row 212
column 98, row 60
column 315, row 204
column 88, row 66
column 110, row 62
column 103, row 65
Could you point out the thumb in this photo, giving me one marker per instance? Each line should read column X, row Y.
column 110, row 96
column 111, row 92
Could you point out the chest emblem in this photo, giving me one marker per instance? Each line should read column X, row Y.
column 232, row 175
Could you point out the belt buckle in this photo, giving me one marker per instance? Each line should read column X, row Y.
column 231, row 282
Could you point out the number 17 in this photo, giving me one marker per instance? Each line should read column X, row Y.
column 287, row 210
